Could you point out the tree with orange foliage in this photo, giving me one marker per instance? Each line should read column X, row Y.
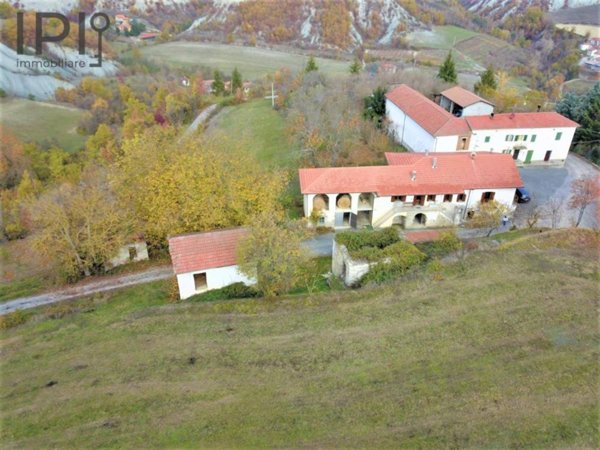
column 584, row 192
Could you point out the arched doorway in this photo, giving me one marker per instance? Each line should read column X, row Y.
column 321, row 202
column 399, row 221
column 420, row 219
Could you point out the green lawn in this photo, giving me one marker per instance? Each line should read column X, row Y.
column 253, row 62
column 42, row 122
column 474, row 355
column 260, row 129
column 442, row 37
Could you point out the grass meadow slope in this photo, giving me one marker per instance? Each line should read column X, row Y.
column 497, row 351
column 253, row 62
column 42, row 122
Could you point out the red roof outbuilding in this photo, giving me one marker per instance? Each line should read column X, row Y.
column 428, row 115
column 200, row 251
column 462, row 97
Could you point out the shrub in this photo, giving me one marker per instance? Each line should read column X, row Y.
column 13, row 319
column 447, row 243
column 356, row 240
column 235, row 290
column 399, row 258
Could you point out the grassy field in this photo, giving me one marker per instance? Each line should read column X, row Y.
column 251, row 61
column 472, row 51
column 475, row 355
column 260, row 129
column 42, row 122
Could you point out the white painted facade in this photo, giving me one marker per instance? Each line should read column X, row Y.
column 476, row 109
column 215, row 278
column 545, row 140
column 387, row 211
column 406, row 131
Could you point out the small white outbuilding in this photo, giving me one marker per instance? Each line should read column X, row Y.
column 205, row 261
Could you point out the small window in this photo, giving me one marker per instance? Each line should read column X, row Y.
column 132, row 253
column 509, row 151
column 533, row 137
column 509, row 137
column 200, row 281
column 419, row 200
column 461, row 197
column 525, row 138
column 398, row 198
column 431, row 198
column 487, row 139
column 321, row 220
column 487, row 197
column 558, row 136
column 447, row 198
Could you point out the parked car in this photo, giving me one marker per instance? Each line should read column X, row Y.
column 522, row 195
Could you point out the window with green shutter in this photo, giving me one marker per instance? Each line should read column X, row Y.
column 558, row 136
column 487, row 139
column 533, row 137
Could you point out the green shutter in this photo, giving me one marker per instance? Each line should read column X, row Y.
column 533, row 137
column 558, row 135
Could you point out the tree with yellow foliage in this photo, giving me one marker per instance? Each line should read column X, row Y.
column 137, row 118
column 80, row 226
column 192, row 185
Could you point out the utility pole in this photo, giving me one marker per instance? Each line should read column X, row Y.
column 272, row 96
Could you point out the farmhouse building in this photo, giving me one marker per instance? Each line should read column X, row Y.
column 205, row 261
column 422, row 125
column 415, row 190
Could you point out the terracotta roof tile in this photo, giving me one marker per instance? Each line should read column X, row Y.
column 453, row 174
column 462, row 97
column 199, row 251
column 520, row 120
column 430, row 116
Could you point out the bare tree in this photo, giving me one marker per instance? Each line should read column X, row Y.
column 553, row 210
column 584, row 192
column 488, row 215
column 533, row 217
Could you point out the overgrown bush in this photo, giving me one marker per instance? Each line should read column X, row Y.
column 398, row 258
column 447, row 243
column 356, row 240
column 13, row 319
column 235, row 290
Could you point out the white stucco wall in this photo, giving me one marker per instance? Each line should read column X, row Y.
column 215, row 279
column 478, row 109
column 343, row 266
column 406, row 131
column 503, row 196
column 545, row 140
column 122, row 256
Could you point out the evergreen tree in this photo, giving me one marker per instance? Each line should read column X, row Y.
column 448, row 70
column 355, row 67
column 311, row 65
column 375, row 106
column 487, row 81
column 218, row 86
column 236, row 80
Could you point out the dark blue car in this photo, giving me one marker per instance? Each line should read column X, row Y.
column 522, row 195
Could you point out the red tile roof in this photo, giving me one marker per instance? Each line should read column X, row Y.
column 422, row 236
column 453, row 174
column 430, row 116
column 199, row 251
column 462, row 97
column 520, row 120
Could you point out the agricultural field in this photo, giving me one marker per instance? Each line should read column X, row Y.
column 581, row 29
column 42, row 122
column 259, row 129
column 253, row 62
column 472, row 51
column 467, row 354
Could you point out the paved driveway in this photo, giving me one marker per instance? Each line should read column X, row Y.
column 544, row 183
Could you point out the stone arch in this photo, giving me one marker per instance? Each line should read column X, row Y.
column 399, row 221
column 420, row 219
column 321, row 202
column 365, row 200
column 343, row 201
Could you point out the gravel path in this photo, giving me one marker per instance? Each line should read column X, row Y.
column 87, row 288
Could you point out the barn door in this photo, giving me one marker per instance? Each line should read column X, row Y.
column 529, row 156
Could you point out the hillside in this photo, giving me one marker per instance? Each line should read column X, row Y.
column 497, row 351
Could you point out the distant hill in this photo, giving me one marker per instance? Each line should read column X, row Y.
column 585, row 15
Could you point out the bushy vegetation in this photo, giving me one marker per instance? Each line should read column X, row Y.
column 357, row 241
column 447, row 243
column 235, row 290
column 394, row 260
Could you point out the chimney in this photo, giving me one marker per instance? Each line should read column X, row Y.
column 413, row 175
column 473, row 155
column 512, row 115
column 427, row 152
column 434, row 163
column 491, row 115
column 539, row 108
